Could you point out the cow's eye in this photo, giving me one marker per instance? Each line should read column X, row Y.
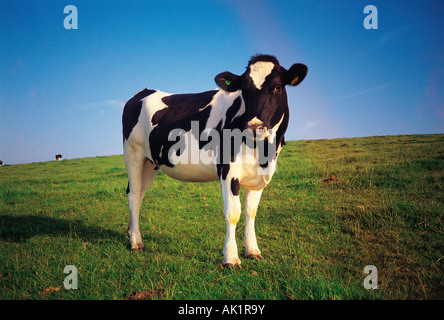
column 277, row 89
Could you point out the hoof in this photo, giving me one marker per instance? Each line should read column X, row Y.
column 137, row 247
column 253, row 254
column 232, row 263
column 231, row 266
column 254, row 257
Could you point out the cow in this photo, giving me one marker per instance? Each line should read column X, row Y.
column 58, row 156
column 171, row 132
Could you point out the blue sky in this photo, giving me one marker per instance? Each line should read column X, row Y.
column 62, row 91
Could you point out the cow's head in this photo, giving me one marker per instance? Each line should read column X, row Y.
column 263, row 89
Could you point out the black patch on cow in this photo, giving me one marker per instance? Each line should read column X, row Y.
column 230, row 123
column 264, row 165
column 131, row 112
column 264, row 155
column 181, row 106
column 263, row 57
column 182, row 110
column 235, row 186
column 222, row 170
column 158, row 115
column 233, row 110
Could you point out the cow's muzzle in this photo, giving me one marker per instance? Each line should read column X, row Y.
column 258, row 128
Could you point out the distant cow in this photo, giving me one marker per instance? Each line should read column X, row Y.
column 190, row 137
column 1, row 162
column 58, row 156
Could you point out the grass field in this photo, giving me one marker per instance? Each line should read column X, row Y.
column 332, row 208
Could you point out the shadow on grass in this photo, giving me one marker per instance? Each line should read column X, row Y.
column 22, row 228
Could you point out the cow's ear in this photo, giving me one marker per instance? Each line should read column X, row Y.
column 296, row 74
column 228, row 81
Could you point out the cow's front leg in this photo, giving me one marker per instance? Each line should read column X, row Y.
column 252, row 198
column 232, row 211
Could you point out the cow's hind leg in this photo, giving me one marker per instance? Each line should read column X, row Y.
column 141, row 173
column 252, row 198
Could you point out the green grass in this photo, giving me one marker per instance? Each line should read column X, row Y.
column 384, row 207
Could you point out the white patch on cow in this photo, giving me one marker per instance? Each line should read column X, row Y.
column 144, row 126
column 272, row 133
column 150, row 105
column 191, row 172
column 160, row 152
column 221, row 102
column 253, row 176
column 259, row 71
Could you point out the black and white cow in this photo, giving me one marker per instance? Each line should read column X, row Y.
column 58, row 156
column 190, row 137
